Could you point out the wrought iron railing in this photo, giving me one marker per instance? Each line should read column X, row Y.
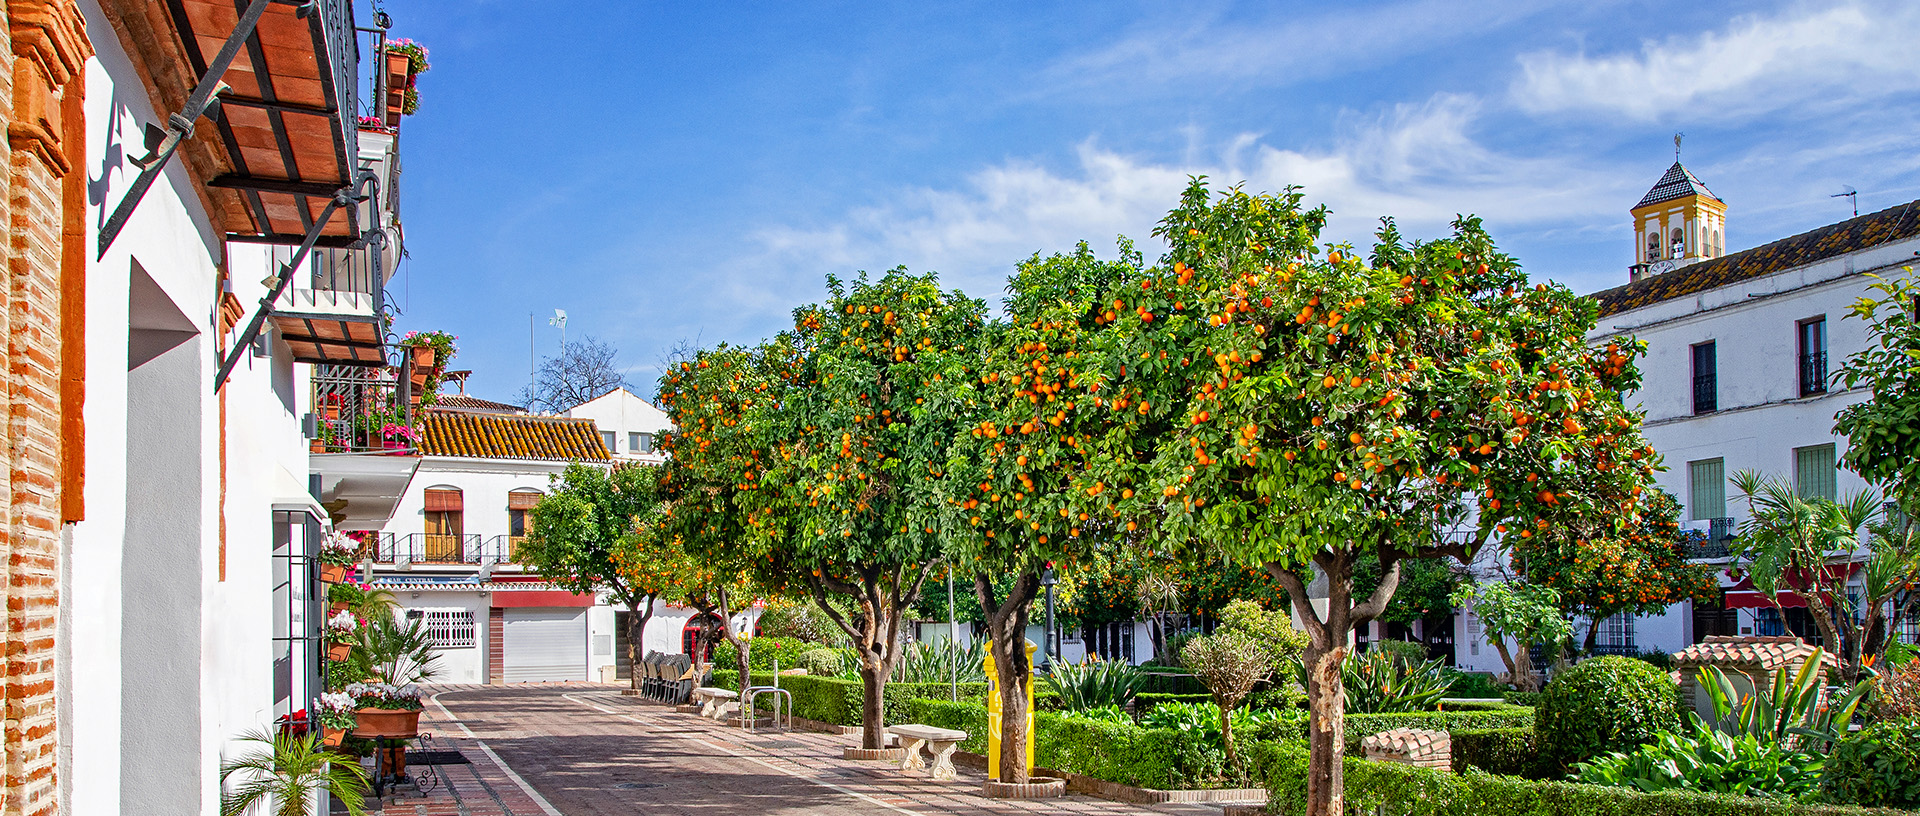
column 1813, row 373
column 1706, row 393
column 437, row 548
column 343, row 55
column 1616, row 650
column 352, row 407
column 1718, row 541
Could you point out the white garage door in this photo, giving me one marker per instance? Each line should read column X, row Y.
column 545, row 644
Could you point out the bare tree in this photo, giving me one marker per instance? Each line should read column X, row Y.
column 584, row 370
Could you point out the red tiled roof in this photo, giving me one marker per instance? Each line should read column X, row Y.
column 462, row 402
column 510, row 436
column 1852, row 235
column 1765, row 653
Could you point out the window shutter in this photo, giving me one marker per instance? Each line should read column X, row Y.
column 522, row 500
column 1707, row 496
column 444, row 501
column 1814, row 472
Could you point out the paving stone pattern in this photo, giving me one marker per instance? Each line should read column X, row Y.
column 588, row 751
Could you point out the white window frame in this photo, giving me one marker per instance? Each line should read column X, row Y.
column 450, row 627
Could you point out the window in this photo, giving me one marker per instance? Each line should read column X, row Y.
column 609, row 438
column 447, row 628
column 519, row 518
column 638, row 442
column 1813, row 472
column 1473, row 633
column 1707, row 489
column 1813, row 356
column 444, row 509
column 1617, row 632
column 1706, row 386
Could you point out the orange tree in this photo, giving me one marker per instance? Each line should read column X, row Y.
column 586, row 537
column 1326, row 407
column 1640, row 569
column 1018, row 486
column 713, row 460
column 856, row 437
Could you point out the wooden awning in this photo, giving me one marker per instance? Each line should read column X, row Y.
column 331, row 339
column 287, row 125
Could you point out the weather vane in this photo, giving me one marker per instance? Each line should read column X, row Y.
column 1676, row 145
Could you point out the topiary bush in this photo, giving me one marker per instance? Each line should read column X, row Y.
column 1878, row 766
column 822, row 662
column 1603, row 705
column 1521, row 698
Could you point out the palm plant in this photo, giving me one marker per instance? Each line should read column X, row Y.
column 399, row 652
column 1095, row 683
column 1793, row 543
column 1797, row 711
column 286, row 773
column 942, row 661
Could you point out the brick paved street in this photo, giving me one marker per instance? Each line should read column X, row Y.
column 587, row 751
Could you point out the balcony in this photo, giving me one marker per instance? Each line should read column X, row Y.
column 1813, row 373
column 353, row 406
column 1706, row 393
column 333, row 313
column 442, row 550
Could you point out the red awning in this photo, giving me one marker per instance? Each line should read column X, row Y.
column 1742, row 595
column 539, row 597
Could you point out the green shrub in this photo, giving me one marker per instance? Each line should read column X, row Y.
column 1093, row 684
column 1657, row 659
column 1483, row 705
column 1379, row 682
column 1405, row 651
column 1505, row 751
column 1405, row 789
column 1144, row 703
column 1116, row 752
column 822, row 662
column 942, row 661
column 1473, row 684
column 838, row 701
column 1877, row 766
column 1603, row 705
column 1361, row 726
column 1278, row 697
column 1529, row 699
column 1172, row 681
column 762, row 653
column 1702, row 759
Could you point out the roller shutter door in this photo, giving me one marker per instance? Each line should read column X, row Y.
column 545, row 645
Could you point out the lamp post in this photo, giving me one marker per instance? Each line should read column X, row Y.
column 1048, row 580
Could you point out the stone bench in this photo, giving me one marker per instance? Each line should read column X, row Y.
column 940, row 742
column 713, row 701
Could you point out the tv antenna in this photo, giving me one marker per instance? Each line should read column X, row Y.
column 1852, row 196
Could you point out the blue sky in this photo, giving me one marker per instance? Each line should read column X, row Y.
column 692, row 171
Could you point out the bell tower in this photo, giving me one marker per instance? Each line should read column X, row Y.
column 1678, row 222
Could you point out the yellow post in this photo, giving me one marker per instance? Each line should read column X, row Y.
column 994, row 709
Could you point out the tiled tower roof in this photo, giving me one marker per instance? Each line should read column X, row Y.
column 1679, row 182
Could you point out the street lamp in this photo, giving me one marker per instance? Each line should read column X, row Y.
column 1048, row 580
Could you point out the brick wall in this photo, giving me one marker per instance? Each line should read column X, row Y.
column 39, row 389
column 496, row 646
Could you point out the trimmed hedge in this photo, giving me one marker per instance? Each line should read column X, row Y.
column 1606, row 704
column 1505, row 751
column 837, row 701
column 1478, row 705
column 1127, row 754
column 762, row 652
column 1522, row 698
column 1361, row 726
column 1413, row 791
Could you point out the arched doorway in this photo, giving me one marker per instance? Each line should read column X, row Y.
column 699, row 635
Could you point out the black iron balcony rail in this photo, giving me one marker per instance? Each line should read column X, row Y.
column 1813, row 373
column 1706, row 393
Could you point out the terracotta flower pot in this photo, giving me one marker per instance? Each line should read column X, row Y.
column 317, row 446
column 423, row 358
column 337, row 652
column 332, row 737
column 385, row 722
column 334, row 573
column 336, row 608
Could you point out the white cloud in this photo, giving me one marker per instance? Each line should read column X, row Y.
column 1832, row 55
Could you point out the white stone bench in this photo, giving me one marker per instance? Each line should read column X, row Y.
column 713, row 701
column 940, row 742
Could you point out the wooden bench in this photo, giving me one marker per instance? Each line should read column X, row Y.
column 713, row 701
column 940, row 742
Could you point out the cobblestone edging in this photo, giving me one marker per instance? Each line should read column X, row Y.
column 1036, row 787
column 1253, row 798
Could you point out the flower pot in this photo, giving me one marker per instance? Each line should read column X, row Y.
column 334, row 573
column 317, row 446
column 385, row 722
column 423, row 357
column 332, row 737
column 394, row 447
column 336, row 608
column 337, row 652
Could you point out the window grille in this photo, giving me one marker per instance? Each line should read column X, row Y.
column 1706, row 376
column 447, row 628
column 1473, row 633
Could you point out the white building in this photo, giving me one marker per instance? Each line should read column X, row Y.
column 1740, row 352
column 628, row 425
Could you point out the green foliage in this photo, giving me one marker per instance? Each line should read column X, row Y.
column 1474, row 684
column 942, row 661
column 1145, row 702
column 1406, row 790
column 1703, row 759
column 1425, row 593
column 399, row 652
column 1094, row 684
column 1380, row 682
column 1405, row 652
column 1092, row 746
column 763, row 652
column 1603, row 705
column 1530, row 699
column 1657, row 658
column 837, row 701
column 1271, row 629
column 1504, row 751
column 1640, row 569
column 800, row 620
column 822, row 662
column 583, row 533
column 285, row 775
column 1877, row 766
column 1884, row 431
column 1795, row 710
column 1524, row 612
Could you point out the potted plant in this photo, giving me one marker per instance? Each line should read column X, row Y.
column 285, row 775
column 385, row 710
column 398, row 440
column 340, row 634
column 407, row 60
column 336, row 558
column 334, row 714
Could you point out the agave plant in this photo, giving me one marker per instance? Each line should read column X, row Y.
column 1797, row 711
column 284, row 776
column 1379, row 682
column 1095, row 683
column 1710, row 761
column 942, row 661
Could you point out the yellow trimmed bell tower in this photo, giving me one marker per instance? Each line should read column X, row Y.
column 1678, row 222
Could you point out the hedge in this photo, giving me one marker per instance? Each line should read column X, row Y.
column 1414, row 791
column 1522, row 698
column 1361, row 726
column 1479, row 705
column 1127, row 754
column 837, row 701
column 1506, row 751
column 1145, row 702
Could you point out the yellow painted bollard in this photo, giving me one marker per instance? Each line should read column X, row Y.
column 993, row 714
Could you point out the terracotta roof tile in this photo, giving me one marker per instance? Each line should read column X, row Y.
column 1852, row 235
column 1764, row 653
column 462, row 402
column 510, row 436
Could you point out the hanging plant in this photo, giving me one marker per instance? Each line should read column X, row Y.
column 416, row 54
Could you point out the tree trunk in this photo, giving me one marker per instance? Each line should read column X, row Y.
column 1226, row 736
column 1593, row 635
column 636, row 629
column 873, row 707
column 1006, row 630
column 1326, row 732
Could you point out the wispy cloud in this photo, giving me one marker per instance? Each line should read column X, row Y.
column 1834, row 54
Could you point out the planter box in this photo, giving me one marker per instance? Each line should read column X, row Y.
column 337, row 652
column 336, row 608
column 332, row 737
column 386, row 722
column 423, row 357
column 335, row 573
